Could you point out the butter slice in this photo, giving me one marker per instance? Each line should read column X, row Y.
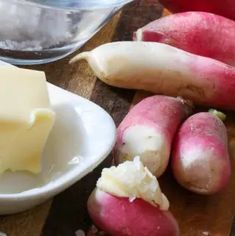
column 26, row 119
column 133, row 180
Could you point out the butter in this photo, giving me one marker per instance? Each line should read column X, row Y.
column 26, row 119
column 131, row 179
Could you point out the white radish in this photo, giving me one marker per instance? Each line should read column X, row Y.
column 163, row 69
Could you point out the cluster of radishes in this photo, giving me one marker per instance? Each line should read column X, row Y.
column 200, row 159
column 189, row 60
column 161, row 68
column 153, row 130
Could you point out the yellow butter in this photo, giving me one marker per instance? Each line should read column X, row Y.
column 133, row 180
column 26, row 119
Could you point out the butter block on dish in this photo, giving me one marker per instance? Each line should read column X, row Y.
column 26, row 119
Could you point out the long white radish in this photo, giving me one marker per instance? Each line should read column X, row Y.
column 163, row 69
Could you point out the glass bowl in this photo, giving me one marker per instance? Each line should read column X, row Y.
column 42, row 31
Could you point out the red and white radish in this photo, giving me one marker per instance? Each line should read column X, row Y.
column 196, row 32
column 148, row 130
column 128, row 202
column 120, row 217
column 224, row 8
column 200, row 159
column 163, row 69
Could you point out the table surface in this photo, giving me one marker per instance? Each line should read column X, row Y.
column 66, row 213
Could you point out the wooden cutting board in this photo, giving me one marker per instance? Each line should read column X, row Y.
column 66, row 214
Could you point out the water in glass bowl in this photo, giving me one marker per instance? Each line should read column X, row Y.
column 41, row 31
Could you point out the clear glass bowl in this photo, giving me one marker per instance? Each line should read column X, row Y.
column 41, row 31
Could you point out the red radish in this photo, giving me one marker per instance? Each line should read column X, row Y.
column 120, row 217
column 128, row 202
column 201, row 33
column 224, row 8
column 200, row 160
column 163, row 69
column 148, row 130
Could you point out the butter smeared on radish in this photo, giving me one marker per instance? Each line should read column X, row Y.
column 131, row 179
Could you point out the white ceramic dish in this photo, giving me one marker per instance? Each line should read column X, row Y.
column 83, row 135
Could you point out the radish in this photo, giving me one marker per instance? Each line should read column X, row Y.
column 163, row 69
column 148, row 131
column 120, row 217
column 196, row 32
column 224, row 8
column 128, row 202
column 200, row 160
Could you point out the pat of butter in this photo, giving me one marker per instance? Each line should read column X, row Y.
column 26, row 119
column 131, row 179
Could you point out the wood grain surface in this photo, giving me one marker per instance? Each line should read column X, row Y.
column 66, row 213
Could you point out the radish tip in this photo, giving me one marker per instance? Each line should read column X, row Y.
column 80, row 56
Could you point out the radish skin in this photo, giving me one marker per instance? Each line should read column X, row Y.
column 196, row 32
column 120, row 217
column 128, row 201
column 224, row 8
column 163, row 69
column 200, row 160
column 148, row 130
